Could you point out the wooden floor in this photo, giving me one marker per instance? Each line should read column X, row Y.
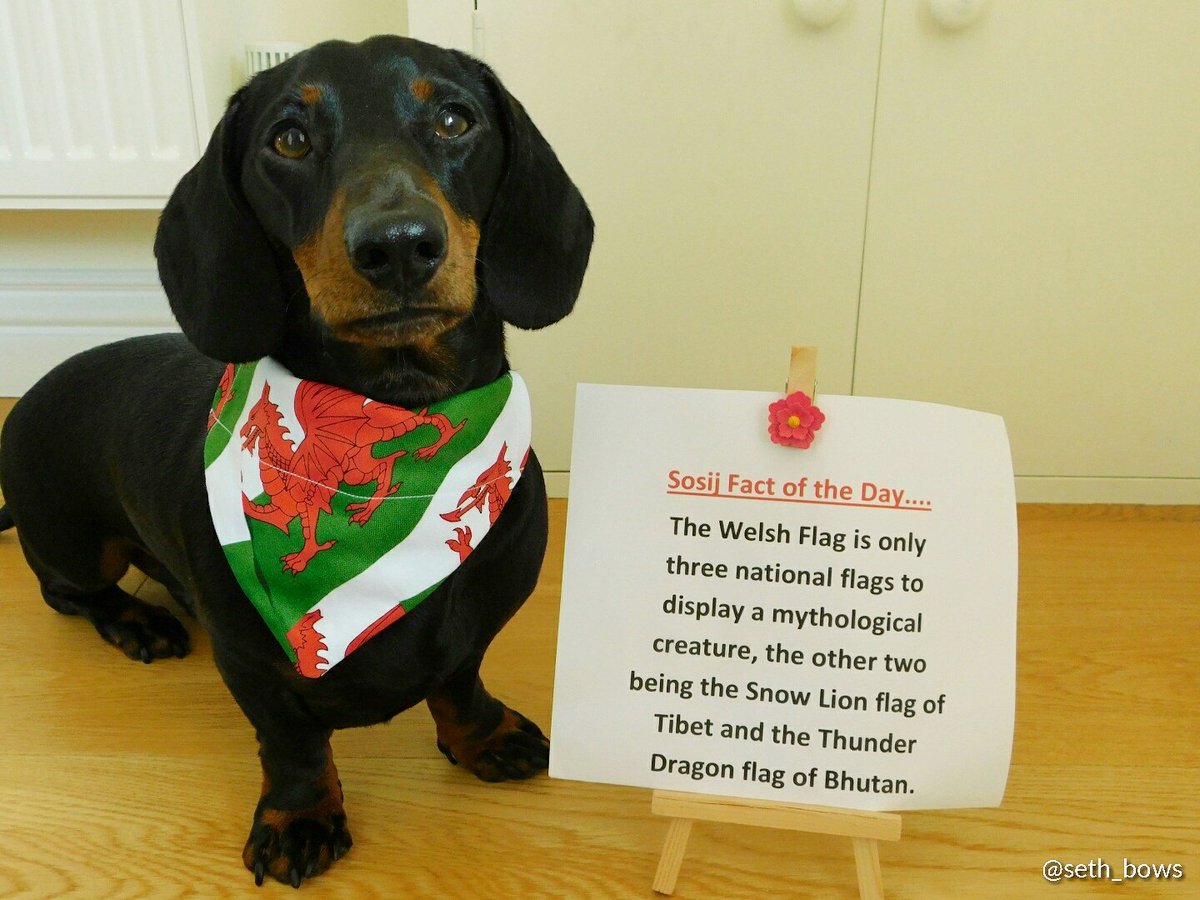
column 130, row 780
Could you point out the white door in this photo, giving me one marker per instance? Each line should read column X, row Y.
column 1033, row 242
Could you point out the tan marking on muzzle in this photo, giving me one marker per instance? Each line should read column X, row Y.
column 454, row 283
column 338, row 293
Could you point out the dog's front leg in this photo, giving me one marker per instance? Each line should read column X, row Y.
column 299, row 825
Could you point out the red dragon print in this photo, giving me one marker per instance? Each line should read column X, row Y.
column 392, row 615
column 308, row 643
column 461, row 543
column 340, row 428
column 225, row 389
column 493, row 487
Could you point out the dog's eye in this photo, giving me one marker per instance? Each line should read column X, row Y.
column 452, row 122
column 292, row 142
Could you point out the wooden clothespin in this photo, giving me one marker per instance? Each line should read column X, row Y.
column 794, row 419
column 802, row 373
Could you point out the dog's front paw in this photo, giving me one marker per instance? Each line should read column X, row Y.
column 517, row 748
column 294, row 845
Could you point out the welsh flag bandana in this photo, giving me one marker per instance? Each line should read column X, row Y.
column 339, row 514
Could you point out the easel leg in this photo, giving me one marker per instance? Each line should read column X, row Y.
column 866, row 861
column 672, row 855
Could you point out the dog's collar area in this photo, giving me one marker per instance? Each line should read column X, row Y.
column 339, row 514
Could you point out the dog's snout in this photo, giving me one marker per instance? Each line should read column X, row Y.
column 397, row 249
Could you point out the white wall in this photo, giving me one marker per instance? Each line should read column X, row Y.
column 226, row 26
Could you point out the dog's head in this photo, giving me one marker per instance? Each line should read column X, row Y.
column 371, row 214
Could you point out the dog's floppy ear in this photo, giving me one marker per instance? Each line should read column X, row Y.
column 537, row 236
column 214, row 259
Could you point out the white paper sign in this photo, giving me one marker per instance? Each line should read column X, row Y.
column 834, row 626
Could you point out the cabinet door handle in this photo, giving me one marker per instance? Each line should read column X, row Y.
column 819, row 13
column 955, row 15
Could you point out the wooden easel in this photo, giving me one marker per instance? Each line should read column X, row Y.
column 865, row 829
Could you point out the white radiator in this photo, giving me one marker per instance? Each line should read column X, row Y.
column 98, row 102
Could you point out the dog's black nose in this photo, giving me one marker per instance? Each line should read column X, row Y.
column 396, row 249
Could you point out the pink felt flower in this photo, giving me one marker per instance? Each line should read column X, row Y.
column 794, row 420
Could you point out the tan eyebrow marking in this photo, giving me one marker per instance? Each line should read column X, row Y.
column 421, row 88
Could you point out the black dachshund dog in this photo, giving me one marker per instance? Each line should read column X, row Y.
column 366, row 218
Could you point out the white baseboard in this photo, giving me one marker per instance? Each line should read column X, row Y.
column 558, row 484
column 1152, row 491
column 49, row 315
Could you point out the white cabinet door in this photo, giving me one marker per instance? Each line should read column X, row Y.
column 723, row 149
column 1033, row 240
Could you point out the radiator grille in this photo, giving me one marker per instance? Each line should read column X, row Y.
column 260, row 57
